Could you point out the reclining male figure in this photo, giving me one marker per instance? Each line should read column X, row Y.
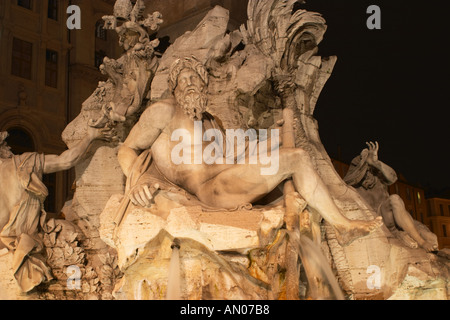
column 222, row 185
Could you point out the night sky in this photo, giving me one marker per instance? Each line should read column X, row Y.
column 389, row 85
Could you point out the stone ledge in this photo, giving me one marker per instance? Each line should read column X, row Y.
column 238, row 231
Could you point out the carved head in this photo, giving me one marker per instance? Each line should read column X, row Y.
column 122, row 9
column 369, row 181
column 5, row 150
column 189, row 63
column 188, row 81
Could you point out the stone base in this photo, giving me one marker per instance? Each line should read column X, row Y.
column 237, row 231
column 214, row 248
column 219, row 255
column 204, row 274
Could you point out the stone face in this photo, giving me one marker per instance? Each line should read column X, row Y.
column 197, row 43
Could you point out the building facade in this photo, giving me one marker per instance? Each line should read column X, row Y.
column 439, row 220
column 34, row 47
column 46, row 72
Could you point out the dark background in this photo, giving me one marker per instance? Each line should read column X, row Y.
column 389, row 85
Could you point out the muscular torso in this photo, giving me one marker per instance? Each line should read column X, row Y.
column 189, row 176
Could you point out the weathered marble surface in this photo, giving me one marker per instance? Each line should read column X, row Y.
column 145, row 232
column 225, row 254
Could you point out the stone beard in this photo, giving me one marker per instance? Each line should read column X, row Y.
column 193, row 102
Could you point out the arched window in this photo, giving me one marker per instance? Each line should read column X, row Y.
column 20, row 141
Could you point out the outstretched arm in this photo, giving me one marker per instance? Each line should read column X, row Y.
column 389, row 175
column 69, row 158
column 144, row 134
column 142, row 137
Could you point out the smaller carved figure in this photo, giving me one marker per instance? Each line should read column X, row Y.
column 22, row 96
column 22, row 195
column 371, row 177
column 131, row 74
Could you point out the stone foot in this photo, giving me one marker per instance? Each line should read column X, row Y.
column 345, row 235
column 428, row 247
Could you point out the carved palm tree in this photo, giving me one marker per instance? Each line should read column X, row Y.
column 290, row 38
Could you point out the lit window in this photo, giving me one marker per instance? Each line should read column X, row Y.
column 419, row 198
column 51, row 69
column 27, row 4
column 22, row 54
column 53, row 9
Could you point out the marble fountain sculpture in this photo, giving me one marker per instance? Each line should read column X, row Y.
column 171, row 208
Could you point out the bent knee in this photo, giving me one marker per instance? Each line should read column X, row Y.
column 396, row 201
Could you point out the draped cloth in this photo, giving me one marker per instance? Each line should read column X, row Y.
column 358, row 170
column 22, row 233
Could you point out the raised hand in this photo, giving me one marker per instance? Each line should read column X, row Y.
column 107, row 133
column 372, row 159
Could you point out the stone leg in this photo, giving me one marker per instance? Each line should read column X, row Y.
column 242, row 184
column 404, row 220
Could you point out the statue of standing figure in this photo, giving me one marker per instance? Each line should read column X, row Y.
column 22, row 196
column 371, row 178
